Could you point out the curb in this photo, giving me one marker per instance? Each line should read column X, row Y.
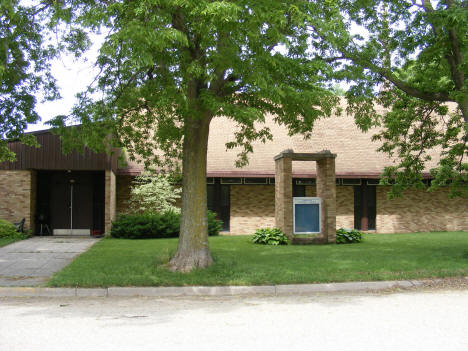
column 272, row 290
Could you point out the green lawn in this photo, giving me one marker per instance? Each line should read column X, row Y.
column 6, row 241
column 120, row 262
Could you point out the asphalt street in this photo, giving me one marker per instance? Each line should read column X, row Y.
column 411, row 320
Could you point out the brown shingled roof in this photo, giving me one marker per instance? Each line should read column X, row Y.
column 356, row 152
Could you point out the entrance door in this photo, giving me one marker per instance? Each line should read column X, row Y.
column 71, row 203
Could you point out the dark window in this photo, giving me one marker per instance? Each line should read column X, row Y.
column 365, row 209
column 211, row 197
column 299, row 190
column 351, row 181
column 310, row 181
column 231, row 180
column 255, row 180
column 373, row 181
column 218, row 201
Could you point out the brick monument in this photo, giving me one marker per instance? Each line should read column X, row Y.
column 326, row 190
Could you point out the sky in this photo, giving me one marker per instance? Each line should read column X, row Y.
column 73, row 76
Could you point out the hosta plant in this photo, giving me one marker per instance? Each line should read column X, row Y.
column 348, row 236
column 269, row 236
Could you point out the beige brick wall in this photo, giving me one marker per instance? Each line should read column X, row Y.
column 416, row 211
column 345, row 207
column 252, row 207
column 18, row 196
column 419, row 210
column 124, row 184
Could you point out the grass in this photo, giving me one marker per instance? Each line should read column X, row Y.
column 120, row 262
column 6, row 241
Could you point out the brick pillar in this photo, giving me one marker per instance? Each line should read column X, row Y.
column 110, row 200
column 283, row 195
column 326, row 190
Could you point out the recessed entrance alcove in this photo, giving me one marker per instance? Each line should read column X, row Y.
column 323, row 206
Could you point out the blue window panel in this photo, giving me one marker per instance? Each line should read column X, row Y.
column 307, row 218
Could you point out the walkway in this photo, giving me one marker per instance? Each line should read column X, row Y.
column 33, row 261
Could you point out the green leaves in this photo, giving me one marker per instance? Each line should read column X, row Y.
column 270, row 236
column 409, row 58
column 221, row 11
column 30, row 36
column 348, row 236
column 23, row 71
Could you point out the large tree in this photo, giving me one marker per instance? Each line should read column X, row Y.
column 169, row 67
column 410, row 57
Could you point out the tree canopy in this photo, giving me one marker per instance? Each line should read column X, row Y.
column 410, row 57
column 23, row 72
column 30, row 37
column 168, row 67
column 164, row 60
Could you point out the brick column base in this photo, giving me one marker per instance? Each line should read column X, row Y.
column 283, row 196
column 326, row 190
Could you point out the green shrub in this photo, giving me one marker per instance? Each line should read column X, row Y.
column 156, row 225
column 214, row 224
column 270, row 236
column 8, row 230
column 348, row 236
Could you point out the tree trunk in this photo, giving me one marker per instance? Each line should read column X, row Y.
column 464, row 109
column 193, row 250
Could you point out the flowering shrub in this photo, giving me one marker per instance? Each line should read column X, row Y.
column 152, row 193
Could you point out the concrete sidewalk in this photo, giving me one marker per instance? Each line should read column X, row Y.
column 271, row 290
column 33, row 261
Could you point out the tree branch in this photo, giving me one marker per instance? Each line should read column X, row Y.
column 387, row 74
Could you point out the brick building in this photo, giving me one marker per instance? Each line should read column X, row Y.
column 42, row 181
